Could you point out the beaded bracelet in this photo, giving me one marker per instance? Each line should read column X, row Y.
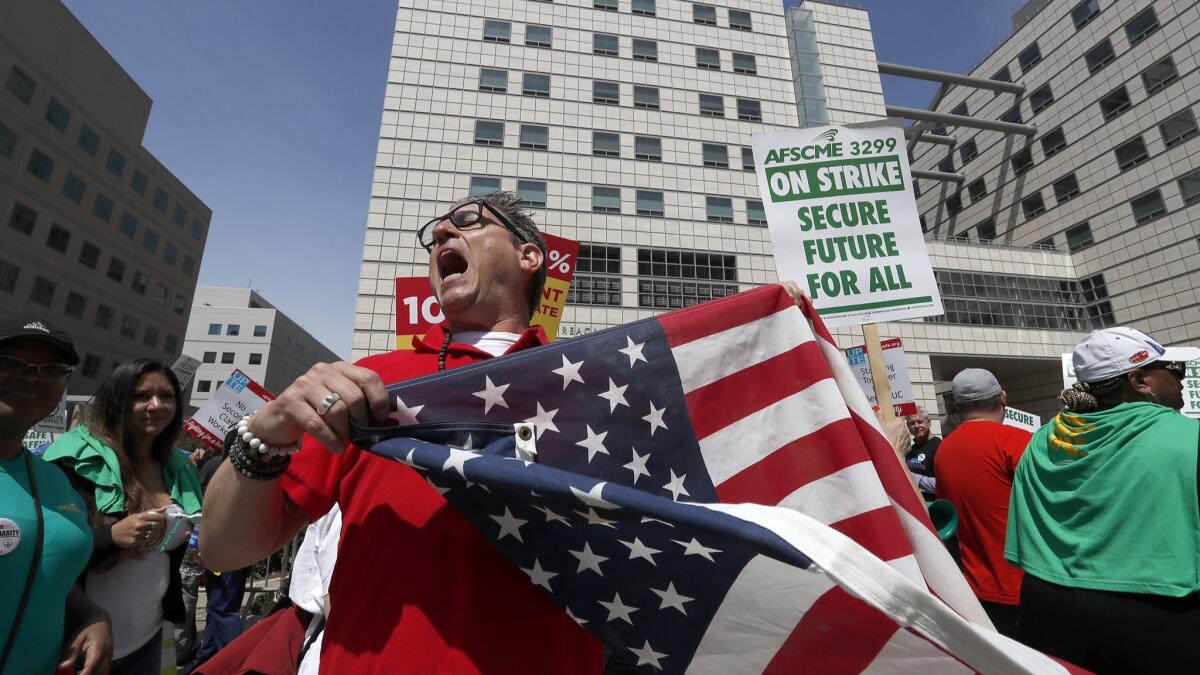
column 251, row 463
column 256, row 446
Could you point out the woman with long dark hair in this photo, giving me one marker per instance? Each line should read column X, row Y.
column 138, row 491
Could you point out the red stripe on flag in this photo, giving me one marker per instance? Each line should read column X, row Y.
column 878, row 531
column 685, row 325
column 838, row 634
column 814, row 319
column 829, row 449
column 892, row 474
column 719, row 404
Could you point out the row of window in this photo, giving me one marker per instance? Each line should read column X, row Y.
column 1138, row 28
column 235, row 329
column 255, row 358
column 667, row 278
column 976, row 299
column 608, row 199
column 21, row 85
column 701, row 13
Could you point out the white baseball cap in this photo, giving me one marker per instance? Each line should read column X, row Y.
column 1110, row 352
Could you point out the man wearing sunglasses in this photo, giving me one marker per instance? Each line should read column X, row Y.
column 416, row 588
column 45, row 539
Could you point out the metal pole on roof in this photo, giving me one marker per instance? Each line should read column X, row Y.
column 926, row 137
column 939, row 175
column 959, row 120
column 950, row 78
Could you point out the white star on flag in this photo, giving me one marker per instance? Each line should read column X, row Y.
column 458, row 459
column 638, row 465
column 587, row 559
column 594, row 443
column 615, row 396
column 639, row 550
column 694, row 547
column 569, row 371
column 646, row 655
column 539, row 576
column 675, row 486
column 491, row 395
column 403, row 414
column 672, row 599
column 510, row 525
column 633, row 351
column 543, row 420
column 655, row 418
column 592, row 497
column 551, row 516
column 594, row 518
column 619, row 610
column 577, row 619
column 441, row 490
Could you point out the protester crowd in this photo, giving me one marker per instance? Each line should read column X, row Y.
column 1081, row 540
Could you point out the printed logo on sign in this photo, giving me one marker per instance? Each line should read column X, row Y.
column 856, row 355
column 237, row 381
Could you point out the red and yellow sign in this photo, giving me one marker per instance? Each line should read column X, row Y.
column 417, row 309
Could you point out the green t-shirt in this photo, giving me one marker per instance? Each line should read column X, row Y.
column 65, row 551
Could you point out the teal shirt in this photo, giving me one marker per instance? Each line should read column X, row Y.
column 65, row 551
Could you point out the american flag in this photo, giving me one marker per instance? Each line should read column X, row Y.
column 710, row 494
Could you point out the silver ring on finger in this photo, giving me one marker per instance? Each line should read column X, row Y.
column 327, row 403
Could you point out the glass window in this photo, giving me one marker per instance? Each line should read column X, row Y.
column 708, row 58
column 1029, row 57
column 115, row 163
column 960, row 109
column 226, row 357
column 58, row 238
column 481, row 185
column 747, row 159
column 1141, row 26
column 645, row 50
column 23, row 218
column 1002, row 75
column 1159, row 75
column 532, row 193
column 171, row 345
column 102, row 207
column 597, row 280
column 1033, row 206
column 745, row 63
column 650, row 203
column 606, row 144
column 1066, row 188
column 606, row 199
column 489, row 132
column 1054, row 142
column 128, row 226
column 535, row 84
column 150, row 337
column 1084, row 12
column 712, row 105
column 160, row 200
column 607, row 5
column 755, row 213
column 260, row 330
column 203, row 386
column 89, row 140
column 1178, row 128
column 40, row 165
column 1099, row 56
column 604, row 44
column 1012, row 115
column 986, row 231
column 1079, row 237
column 197, row 229
column 89, row 255
column 214, row 329
column 496, row 31
column 534, row 137
column 160, row 294
column 73, row 188
column 748, row 110
column 180, row 304
column 645, row 97
column 644, row 7
column 493, row 79
column 954, row 204
column 140, row 182
column 977, row 190
column 188, row 267
column 606, row 93
column 129, row 326
column 1131, row 153
column 57, row 114
column 1189, row 187
column 91, row 366
column 179, row 216
column 968, row 151
column 672, row 278
column 234, row 329
column 170, row 253
column 705, row 14
column 539, row 36
column 150, row 240
column 116, row 269
column 715, row 154
column 740, row 20
column 8, row 276
column 42, row 292
column 947, row 164
column 255, row 359
column 20, row 85
column 1114, row 103
column 648, row 148
column 718, row 209
column 1041, row 98
column 104, row 316
column 8, row 141
column 1148, row 207
column 141, row 281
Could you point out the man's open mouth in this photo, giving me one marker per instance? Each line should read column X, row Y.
column 451, row 264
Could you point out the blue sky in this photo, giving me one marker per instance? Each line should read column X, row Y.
column 269, row 111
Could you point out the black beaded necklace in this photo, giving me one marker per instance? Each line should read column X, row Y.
column 443, row 352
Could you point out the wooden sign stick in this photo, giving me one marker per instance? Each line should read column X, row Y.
column 883, row 391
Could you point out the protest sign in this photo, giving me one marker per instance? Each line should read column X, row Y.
column 844, row 223
column 893, row 357
column 236, row 398
column 55, row 422
column 1191, row 384
column 1021, row 419
column 417, row 309
column 185, row 369
column 35, row 439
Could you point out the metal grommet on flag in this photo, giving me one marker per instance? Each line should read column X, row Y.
column 526, row 441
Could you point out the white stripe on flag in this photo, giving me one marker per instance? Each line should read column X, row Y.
column 908, row 653
column 722, row 354
column 840, row 495
column 847, row 384
column 755, row 436
column 756, row 617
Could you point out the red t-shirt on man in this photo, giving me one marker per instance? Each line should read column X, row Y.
column 416, row 588
column 974, row 468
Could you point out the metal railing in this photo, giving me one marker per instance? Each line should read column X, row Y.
column 996, row 243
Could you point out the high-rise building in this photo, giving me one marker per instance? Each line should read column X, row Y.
column 97, row 235
column 236, row 328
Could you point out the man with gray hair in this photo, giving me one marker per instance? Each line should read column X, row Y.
column 975, row 466
column 920, row 456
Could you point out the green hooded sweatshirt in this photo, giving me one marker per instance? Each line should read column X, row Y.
column 1108, row 501
column 94, row 461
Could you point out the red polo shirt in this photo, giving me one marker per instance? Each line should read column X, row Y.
column 416, row 588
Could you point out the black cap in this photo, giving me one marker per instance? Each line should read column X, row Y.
column 15, row 326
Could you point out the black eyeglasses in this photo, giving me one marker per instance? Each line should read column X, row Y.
column 1176, row 368
column 11, row 366
column 464, row 217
